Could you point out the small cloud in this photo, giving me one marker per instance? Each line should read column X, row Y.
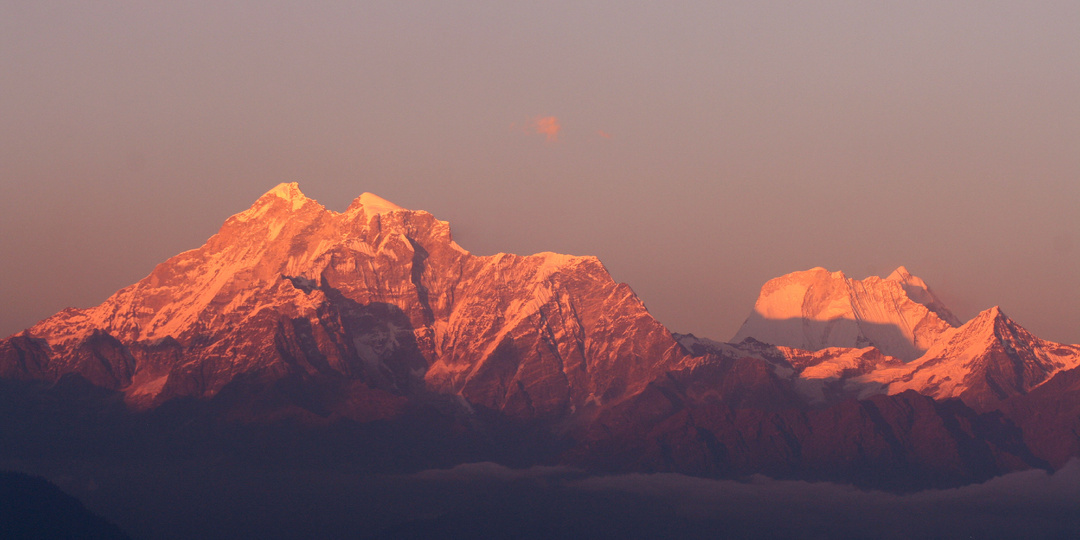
column 603, row 134
column 547, row 126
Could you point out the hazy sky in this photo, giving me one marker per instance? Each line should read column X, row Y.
column 698, row 148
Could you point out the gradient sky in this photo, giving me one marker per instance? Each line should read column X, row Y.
column 698, row 148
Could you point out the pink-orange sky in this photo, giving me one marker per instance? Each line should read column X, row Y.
column 698, row 148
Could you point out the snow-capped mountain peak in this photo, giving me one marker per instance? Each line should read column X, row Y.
column 378, row 294
column 286, row 198
column 372, row 204
column 918, row 291
column 984, row 361
column 816, row 309
column 291, row 193
column 900, row 274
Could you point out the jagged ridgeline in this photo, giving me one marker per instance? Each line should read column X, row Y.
column 370, row 337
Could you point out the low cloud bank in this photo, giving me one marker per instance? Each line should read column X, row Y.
column 1023, row 504
column 494, row 471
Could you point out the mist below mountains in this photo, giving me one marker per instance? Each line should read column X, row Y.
column 486, row 500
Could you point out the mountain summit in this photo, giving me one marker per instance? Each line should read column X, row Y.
column 816, row 309
column 985, row 361
column 370, row 337
column 377, row 301
column 836, row 337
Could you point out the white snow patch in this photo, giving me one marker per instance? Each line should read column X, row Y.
column 374, row 204
column 290, row 192
column 816, row 309
column 275, row 228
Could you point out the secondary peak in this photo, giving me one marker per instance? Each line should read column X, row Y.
column 373, row 204
column 289, row 191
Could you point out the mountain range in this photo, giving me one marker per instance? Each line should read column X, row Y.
column 369, row 330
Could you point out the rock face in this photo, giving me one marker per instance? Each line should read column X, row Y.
column 1050, row 417
column 984, row 362
column 367, row 316
column 726, row 417
column 819, row 377
column 838, row 338
column 816, row 309
column 376, row 295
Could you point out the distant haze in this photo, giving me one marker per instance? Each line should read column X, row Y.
column 698, row 148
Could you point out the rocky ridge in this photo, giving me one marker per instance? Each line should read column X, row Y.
column 816, row 309
column 982, row 362
column 377, row 295
column 295, row 312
